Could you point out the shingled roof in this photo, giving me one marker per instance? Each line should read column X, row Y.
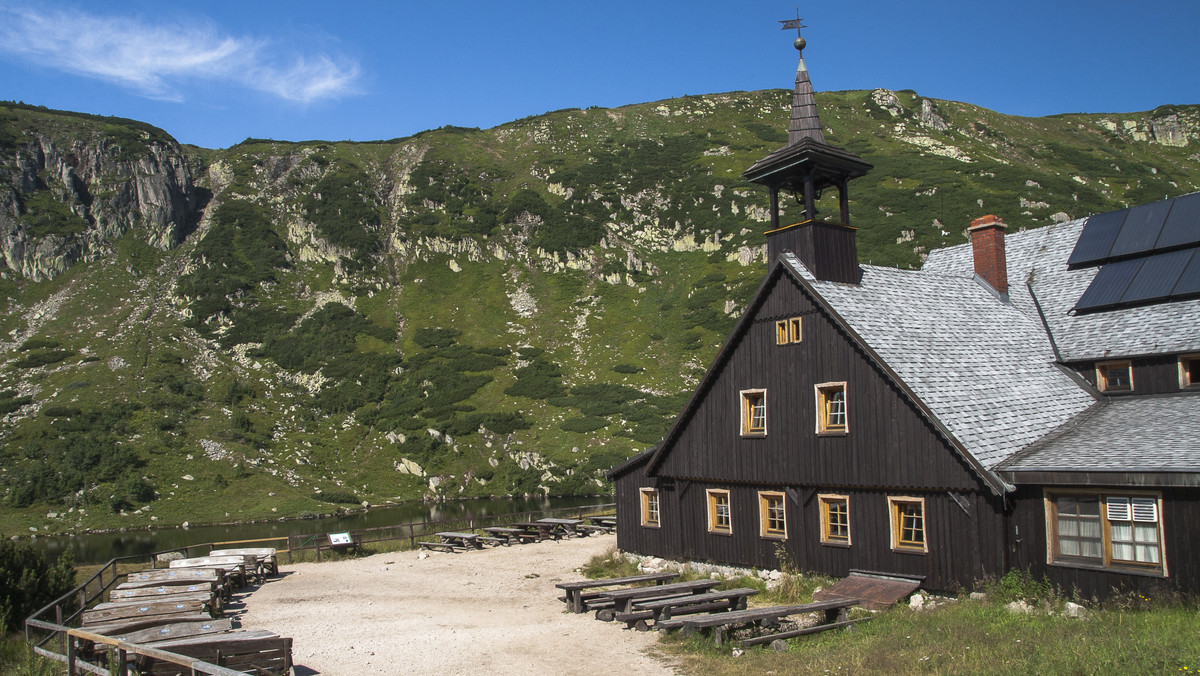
column 1037, row 259
column 984, row 368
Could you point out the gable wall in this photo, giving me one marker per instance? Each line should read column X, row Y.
column 888, row 443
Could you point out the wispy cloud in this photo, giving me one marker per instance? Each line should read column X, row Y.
column 158, row 59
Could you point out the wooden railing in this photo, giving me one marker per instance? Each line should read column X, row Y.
column 67, row 608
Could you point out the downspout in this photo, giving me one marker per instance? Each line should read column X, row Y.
column 1042, row 316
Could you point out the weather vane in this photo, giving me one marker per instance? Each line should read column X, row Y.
column 794, row 23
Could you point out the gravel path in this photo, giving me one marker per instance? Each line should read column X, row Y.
column 494, row 611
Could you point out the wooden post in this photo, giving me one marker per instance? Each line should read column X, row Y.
column 122, row 667
column 70, row 650
column 774, row 208
column 810, row 198
column 844, row 200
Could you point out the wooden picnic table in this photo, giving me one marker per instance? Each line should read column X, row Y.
column 505, row 533
column 622, row 599
column 568, row 526
column 464, row 540
column 575, row 595
column 708, row 602
column 543, row 531
column 719, row 623
column 267, row 560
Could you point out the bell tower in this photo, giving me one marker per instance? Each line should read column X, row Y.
column 805, row 167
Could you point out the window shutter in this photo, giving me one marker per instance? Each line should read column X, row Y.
column 1118, row 509
column 1145, row 509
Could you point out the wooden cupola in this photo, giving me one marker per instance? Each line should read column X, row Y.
column 804, row 167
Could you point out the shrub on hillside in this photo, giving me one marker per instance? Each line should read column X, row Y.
column 29, row 580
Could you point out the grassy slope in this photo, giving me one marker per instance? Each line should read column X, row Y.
column 666, row 178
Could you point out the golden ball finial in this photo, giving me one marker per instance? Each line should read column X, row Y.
column 799, row 43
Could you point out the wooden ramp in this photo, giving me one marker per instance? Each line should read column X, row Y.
column 875, row 591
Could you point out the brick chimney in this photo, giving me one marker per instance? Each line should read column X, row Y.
column 987, row 243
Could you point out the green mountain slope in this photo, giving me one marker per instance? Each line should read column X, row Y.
column 279, row 328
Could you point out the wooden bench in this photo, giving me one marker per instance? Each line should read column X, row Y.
column 256, row 651
column 720, row 623
column 439, row 546
column 234, row 567
column 691, row 604
column 168, row 593
column 565, row 526
column 268, row 562
column 464, row 540
column 587, row 529
column 111, row 612
column 494, row 541
column 505, row 532
column 131, row 624
column 783, row 635
column 176, row 630
column 575, row 595
column 623, row 599
column 539, row 530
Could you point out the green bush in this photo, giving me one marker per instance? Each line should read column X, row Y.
column 337, row 497
column 29, row 580
column 584, row 424
column 43, row 358
column 435, row 337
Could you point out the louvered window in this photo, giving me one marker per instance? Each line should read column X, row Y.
column 1109, row 530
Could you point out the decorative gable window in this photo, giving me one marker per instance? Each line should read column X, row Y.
column 831, row 408
column 835, row 519
column 1189, row 371
column 908, row 524
column 1105, row 530
column 754, row 413
column 651, row 515
column 1114, row 376
column 788, row 331
column 772, row 515
column 720, row 520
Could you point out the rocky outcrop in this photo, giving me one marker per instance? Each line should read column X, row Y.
column 94, row 191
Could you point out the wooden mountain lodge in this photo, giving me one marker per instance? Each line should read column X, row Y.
column 1027, row 400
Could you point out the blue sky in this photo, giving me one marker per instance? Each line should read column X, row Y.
column 214, row 73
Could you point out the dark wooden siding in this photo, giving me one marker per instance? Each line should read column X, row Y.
column 964, row 544
column 1151, row 375
column 888, row 443
column 1181, row 538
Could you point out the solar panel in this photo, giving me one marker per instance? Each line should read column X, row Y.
column 1109, row 285
column 1158, row 276
column 1097, row 238
column 1140, row 230
column 1183, row 223
column 1189, row 281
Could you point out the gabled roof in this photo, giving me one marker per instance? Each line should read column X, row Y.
column 984, row 369
column 1037, row 260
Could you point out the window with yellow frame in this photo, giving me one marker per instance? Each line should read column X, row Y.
column 908, row 524
column 835, row 519
column 651, row 508
column 754, row 413
column 832, row 415
column 720, row 518
column 788, row 331
column 772, row 515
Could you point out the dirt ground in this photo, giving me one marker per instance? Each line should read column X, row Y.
column 494, row 611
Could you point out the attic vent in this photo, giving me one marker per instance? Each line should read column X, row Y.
column 1118, row 509
column 1144, row 510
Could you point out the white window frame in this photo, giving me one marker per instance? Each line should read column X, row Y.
column 824, row 394
column 746, row 399
column 646, row 495
column 711, row 496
